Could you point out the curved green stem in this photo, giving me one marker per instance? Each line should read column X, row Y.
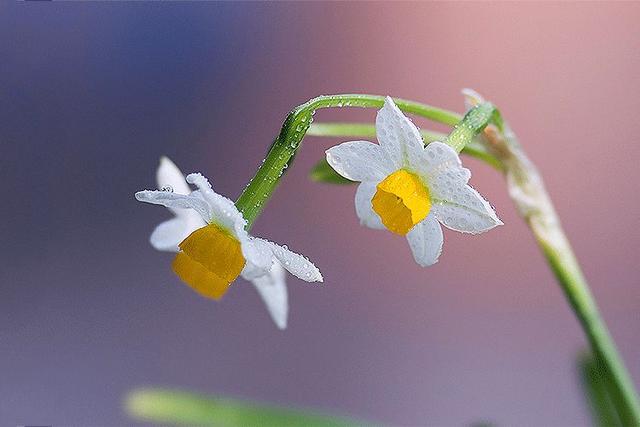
column 294, row 128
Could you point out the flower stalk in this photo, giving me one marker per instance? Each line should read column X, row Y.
column 528, row 192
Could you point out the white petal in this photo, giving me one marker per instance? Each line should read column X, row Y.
column 471, row 98
column 273, row 290
column 168, row 175
column 168, row 234
column 441, row 166
column 176, row 201
column 223, row 211
column 465, row 210
column 359, row 161
column 364, row 210
column 294, row 263
column 258, row 255
column 425, row 240
column 397, row 135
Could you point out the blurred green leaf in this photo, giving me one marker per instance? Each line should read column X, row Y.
column 482, row 424
column 184, row 408
column 595, row 388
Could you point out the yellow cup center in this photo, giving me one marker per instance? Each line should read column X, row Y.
column 401, row 201
column 209, row 260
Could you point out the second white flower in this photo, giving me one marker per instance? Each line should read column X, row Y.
column 411, row 189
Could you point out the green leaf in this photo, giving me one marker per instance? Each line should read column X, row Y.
column 595, row 388
column 184, row 408
column 323, row 172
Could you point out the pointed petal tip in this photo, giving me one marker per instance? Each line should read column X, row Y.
column 281, row 324
column 167, row 169
column 389, row 103
column 424, row 265
column 328, row 153
column 428, row 263
column 497, row 221
column 166, row 163
column 145, row 195
column 314, row 276
column 192, row 177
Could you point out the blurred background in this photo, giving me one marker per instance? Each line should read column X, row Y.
column 92, row 94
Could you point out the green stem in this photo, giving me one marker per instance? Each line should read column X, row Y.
column 252, row 200
column 596, row 392
column 528, row 192
column 472, row 124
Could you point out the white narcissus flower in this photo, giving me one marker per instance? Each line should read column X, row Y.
column 409, row 188
column 213, row 248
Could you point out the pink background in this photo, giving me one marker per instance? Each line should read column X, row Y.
column 95, row 93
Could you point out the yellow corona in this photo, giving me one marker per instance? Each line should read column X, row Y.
column 401, row 201
column 210, row 259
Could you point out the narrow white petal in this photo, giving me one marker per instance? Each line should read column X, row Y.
column 294, row 263
column 425, row 240
column 397, row 135
column 176, row 201
column 273, row 291
column 465, row 210
column 169, row 234
column 364, row 210
column 223, row 211
column 168, row 175
column 359, row 161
